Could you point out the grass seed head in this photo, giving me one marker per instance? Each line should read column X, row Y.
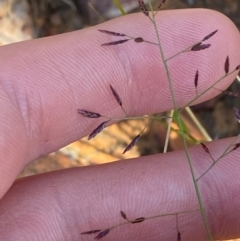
column 226, row 65
column 143, row 7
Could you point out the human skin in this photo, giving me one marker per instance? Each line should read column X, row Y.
column 43, row 83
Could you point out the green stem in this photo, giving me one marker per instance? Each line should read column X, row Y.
column 168, row 132
column 181, row 130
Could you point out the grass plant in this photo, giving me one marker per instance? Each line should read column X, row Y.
column 175, row 115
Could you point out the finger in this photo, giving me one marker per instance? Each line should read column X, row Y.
column 60, row 205
column 44, row 82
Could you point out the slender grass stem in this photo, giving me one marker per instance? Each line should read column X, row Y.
column 182, row 132
column 168, row 131
column 238, row 77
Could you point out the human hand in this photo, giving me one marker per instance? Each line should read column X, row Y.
column 43, row 83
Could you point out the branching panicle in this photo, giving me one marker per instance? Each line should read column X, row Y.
column 201, row 45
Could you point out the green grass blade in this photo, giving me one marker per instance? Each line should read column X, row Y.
column 119, row 6
column 185, row 128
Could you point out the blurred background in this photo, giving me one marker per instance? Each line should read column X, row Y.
column 27, row 19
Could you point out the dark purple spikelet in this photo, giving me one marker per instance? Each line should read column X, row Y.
column 98, row 129
column 138, row 220
column 238, row 67
column 162, row 3
column 196, row 79
column 143, row 7
column 236, row 147
column 205, row 148
column 139, row 40
column 116, row 96
column 115, row 42
column 237, row 115
column 226, row 65
column 179, row 238
column 209, row 35
column 89, row 114
column 200, row 46
column 92, row 231
column 111, row 33
column 124, row 216
column 132, row 143
column 102, row 234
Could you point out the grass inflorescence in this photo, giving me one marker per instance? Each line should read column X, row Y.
column 202, row 45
